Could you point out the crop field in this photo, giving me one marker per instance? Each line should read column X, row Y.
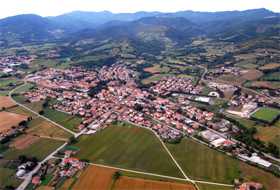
column 270, row 66
column 155, row 78
column 40, row 149
column 124, row 183
column 250, row 173
column 23, row 142
column 22, row 111
column 266, row 114
column 6, row 102
column 9, row 83
column 68, row 121
column 127, row 147
column 269, row 134
column 157, row 69
column 9, row 120
column 41, row 127
column 95, row 178
column 252, row 74
column 202, row 163
column 7, row 178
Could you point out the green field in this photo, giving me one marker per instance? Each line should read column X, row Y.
column 7, row 178
column 266, row 114
column 8, row 83
column 202, row 163
column 40, row 149
column 127, row 147
column 68, row 121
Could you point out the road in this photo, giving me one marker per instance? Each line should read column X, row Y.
column 28, row 177
column 37, row 114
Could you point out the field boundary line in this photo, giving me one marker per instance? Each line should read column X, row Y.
column 159, row 175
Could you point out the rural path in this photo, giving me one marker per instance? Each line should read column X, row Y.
column 169, row 153
column 163, row 176
column 37, row 114
column 28, row 177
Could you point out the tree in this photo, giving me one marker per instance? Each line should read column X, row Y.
column 116, row 175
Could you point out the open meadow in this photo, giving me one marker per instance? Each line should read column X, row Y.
column 127, row 147
column 68, row 121
column 203, row 163
column 41, row 127
column 7, row 178
column 39, row 149
column 267, row 115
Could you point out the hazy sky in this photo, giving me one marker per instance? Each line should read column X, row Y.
column 56, row 7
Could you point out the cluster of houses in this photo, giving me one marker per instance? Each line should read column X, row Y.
column 168, row 85
column 9, row 64
column 245, row 104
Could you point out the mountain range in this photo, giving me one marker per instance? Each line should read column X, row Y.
column 176, row 27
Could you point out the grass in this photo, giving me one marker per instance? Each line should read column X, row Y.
column 202, row 163
column 40, row 149
column 9, row 82
column 267, row 115
column 42, row 127
column 24, row 88
column 155, row 78
column 7, row 178
column 127, row 147
column 21, row 110
column 68, row 121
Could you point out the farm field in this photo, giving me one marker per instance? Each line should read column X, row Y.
column 40, row 149
column 127, row 147
column 266, row 114
column 202, row 163
column 124, row 183
column 7, row 178
column 250, row 173
column 22, row 111
column 213, row 187
column 154, row 78
column 68, row 121
column 41, row 127
column 9, row 120
column 9, row 83
column 270, row 66
column 95, row 178
column 6, row 102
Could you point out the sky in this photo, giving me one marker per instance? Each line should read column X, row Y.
column 57, row 7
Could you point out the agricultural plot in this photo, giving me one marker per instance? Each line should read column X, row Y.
column 68, row 121
column 127, row 147
column 7, row 178
column 124, row 183
column 95, row 178
column 9, row 120
column 41, row 127
column 268, row 115
column 155, row 78
column 270, row 66
column 22, row 111
column 40, row 149
column 202, row 163
column 9, row 83
column 6, row 102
